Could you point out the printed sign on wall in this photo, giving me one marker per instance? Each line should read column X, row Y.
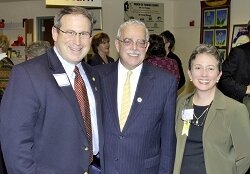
column 152, row 14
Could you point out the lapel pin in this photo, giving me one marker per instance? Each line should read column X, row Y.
column 139, row 99
column 93, row 78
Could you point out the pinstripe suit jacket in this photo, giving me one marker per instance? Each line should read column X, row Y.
column 146, row 144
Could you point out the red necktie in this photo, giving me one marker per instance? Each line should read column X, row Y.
column 82, row 98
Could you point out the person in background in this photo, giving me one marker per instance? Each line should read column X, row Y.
column 138, row 108
column 6, row 66
column 36, row 49
column 212, row 130
column 45, row 127
column 156, row 55
column 169, row 45
column 100, row 46
column 235, row 79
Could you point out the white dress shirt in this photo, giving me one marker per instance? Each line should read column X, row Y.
column 134, row 78
column 69, row 69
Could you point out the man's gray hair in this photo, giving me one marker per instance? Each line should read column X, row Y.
column 132, row 22
column 37, row 48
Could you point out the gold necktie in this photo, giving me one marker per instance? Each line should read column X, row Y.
column 82, row 98
column 126, row 101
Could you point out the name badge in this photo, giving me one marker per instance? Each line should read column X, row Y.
column 187, row 114
column 62, row 79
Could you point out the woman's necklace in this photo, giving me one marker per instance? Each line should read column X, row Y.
column 197, row 118
column 205, row 112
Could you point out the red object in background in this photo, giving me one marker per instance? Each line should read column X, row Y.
column 2, row 25
column 18, row 42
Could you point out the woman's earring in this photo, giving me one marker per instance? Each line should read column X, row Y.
column 191, row 80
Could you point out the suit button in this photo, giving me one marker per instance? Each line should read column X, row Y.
column 86, row 148
column 121, row 137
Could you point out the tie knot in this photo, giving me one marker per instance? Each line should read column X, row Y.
column 76, row 70
column 129, row 73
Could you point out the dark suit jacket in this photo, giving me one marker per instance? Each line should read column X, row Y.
column 97, row 60
column 41, row 125
column 2, row 164
column 147, row 143
column 236, row 72
column 182, row 81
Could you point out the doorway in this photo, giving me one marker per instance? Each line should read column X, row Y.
column 44, row 26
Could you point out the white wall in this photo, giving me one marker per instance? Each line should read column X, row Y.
column 112, row 15
column 177, row 15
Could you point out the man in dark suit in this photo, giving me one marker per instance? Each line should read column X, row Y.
column 139, row 108
column 42, row 125
column 235, row 79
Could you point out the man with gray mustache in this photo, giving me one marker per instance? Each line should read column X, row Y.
column 138, row 107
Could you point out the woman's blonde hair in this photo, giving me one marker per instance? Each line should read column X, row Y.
column 4, row 43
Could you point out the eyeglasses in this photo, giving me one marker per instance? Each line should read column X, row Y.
column 129, row 42
column 73, row 34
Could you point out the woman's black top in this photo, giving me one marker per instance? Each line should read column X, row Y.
column 193, row 159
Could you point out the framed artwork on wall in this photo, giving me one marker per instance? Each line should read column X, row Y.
column 220, row 37
column 239, row 35
column 215, row 24
column 222, row 53
column 97, row 18
column 209, row 18
column 221, row 17
column 208, row 36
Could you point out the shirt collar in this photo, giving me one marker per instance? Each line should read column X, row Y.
column 124, row 70
column 68, row 67
column 2, row 55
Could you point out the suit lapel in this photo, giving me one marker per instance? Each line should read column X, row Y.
column 110, row 80
column 144, row 86
column 57, row 68
column 218, row 103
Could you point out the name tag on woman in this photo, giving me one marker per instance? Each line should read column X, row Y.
column 187, row 114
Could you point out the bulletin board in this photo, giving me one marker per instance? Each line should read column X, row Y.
column 215, row 24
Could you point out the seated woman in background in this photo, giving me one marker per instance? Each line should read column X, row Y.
column 156, row 55
column 212, row 130
column 100, row 46
column 6, row 64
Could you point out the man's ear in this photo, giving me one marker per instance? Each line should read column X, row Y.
column 54, row 32
column 117, row 45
